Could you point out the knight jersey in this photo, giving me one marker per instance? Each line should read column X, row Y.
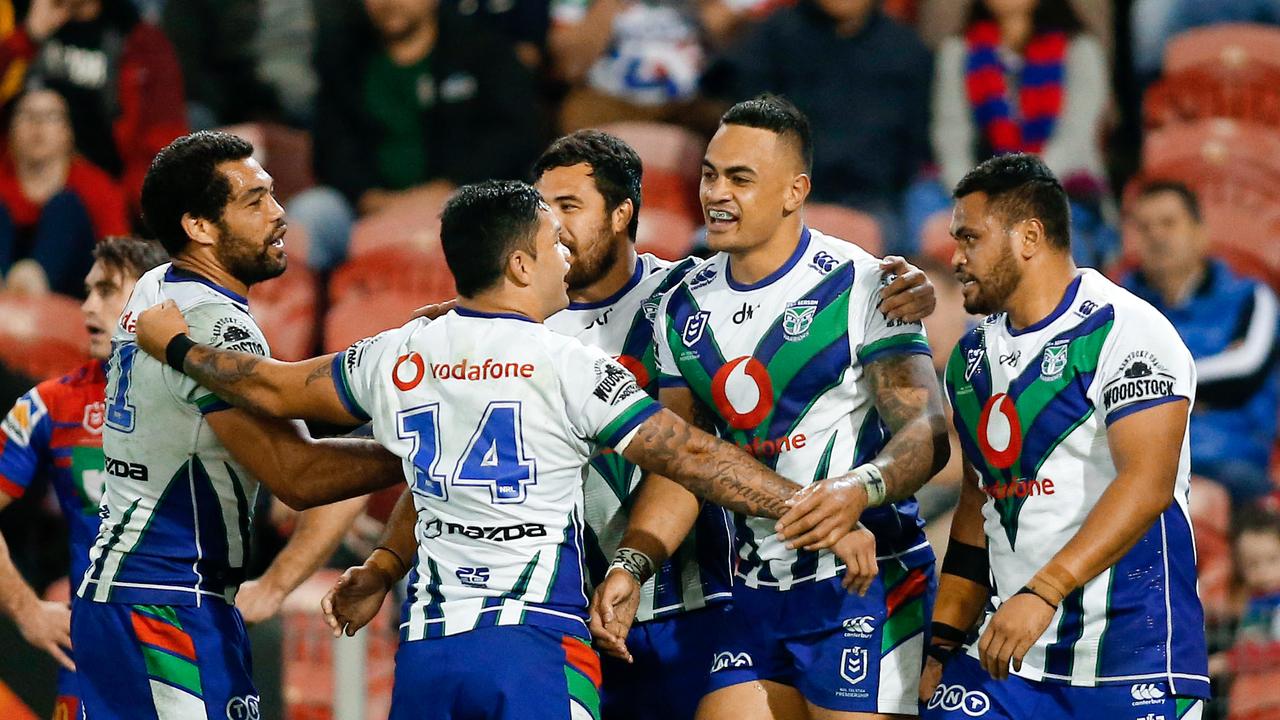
column 56, row 428
column 496, row 417
column 177, row 506
column 622, row 326
column 781, row 363
column 1032, row 408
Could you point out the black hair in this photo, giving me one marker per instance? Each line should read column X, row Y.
column 1048, row 15
column 776, row 114
column 184, row 179
column 482, row 224
column 1184, row 193
column 1020, row 186
column 129, row 256
column 615, row 167
column 1257, row 518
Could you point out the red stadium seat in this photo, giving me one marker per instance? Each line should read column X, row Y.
column 287, row 310
column 672, row 157
column 364, row 315
column 1218, row 141
column 1230, row 46
column 42, row 336
column 1211, row 525
column 669, row 235
column 935, row 238
column 411, row 225
column 285, row 152
column 423, row 275
column 847, row 224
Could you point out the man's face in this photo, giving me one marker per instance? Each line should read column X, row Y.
column 984, row 260
column 1259, row 556
column 747, row 174
column 846, row 10
column 551, row 266
column 1170, row 241
column 41, row 128
column 395, row 19
column 251, row 232
column 107, row 289
column 585, row 225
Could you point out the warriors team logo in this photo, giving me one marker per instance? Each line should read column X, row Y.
column 694, row 326
column 797, row 318
column 1054, row 361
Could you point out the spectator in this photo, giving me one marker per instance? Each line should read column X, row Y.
column 422, row 101
column 1228, row 322
column 54, row 204
column 1155, row 21
column 1024, row 78
column 524, row 22
column 863, row 80
column 119, row 76
column 1254, row 659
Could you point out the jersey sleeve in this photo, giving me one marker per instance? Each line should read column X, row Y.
column 604, row 402
column 664, row 357
column 882, row 337
column 1143, row 363
column 226, row 327
column 356, row 371
column 24, row 443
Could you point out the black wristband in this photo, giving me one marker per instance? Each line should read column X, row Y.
column 969, row 562
column 946, row 633
column 175, row 353
column 941, row 653
column 1028, row 591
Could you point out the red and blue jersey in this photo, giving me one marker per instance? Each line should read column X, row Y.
column 55, row 430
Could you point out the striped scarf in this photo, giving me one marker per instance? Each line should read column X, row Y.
column 1039, row 95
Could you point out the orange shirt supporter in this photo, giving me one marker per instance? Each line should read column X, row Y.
column 101, row 195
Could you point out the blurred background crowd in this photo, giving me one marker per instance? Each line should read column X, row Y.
column 1161, row 117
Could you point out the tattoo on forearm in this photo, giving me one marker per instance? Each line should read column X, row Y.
column 908, row 400
column 225, row 372
column 323, row 371
column 710, row 469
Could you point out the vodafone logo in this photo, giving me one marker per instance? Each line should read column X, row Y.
column 637, row 368
column 1000, row 431
column 408, row 371
column 743, row 393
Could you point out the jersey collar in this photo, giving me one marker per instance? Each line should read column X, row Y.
column 176, row 275
column 635, row 280
column 464, row 312
column 1068, row 298
column 774, row 276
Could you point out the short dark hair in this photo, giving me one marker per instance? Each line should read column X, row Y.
column 776, row 114
column 1188, row 196
column 129, row 256
column 1257, row 518
column 184, row 178
column 615, row 167
column 482, row 224
column 1020, row 186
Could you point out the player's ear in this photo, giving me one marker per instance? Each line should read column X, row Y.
column 200, row 230
column 797, row 193
column 520, row 268
column 1033, row 237
column 621, row 216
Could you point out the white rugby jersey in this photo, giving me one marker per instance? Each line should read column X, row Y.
column 495, row 417
column 1032, row 408
column 177, row 508
column 699, row 572
column 780, row 366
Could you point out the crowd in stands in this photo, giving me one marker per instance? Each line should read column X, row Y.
column 370, row 112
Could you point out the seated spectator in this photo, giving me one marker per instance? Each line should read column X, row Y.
column 119, row 76
column 524, row 22
column 863, row 80
column 1254, row 659
column 1024, row 78
column 411, row 101
column 1156, row 21
column 1228, row 322
column 54, row 204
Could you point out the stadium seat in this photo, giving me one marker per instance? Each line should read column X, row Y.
column 364, row 315
column 1211, row 525
column 287, row 310
column 847, row 224
column 672, row 157
column 1220, row 141
column 285, row 152
column 42, row 336
column 1231, row 46
column 423, row 275
column 669, row 235
column 407, row 225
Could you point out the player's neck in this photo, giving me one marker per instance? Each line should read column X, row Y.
column 1176, row 287
column 1040, row 292
column 612, row 281
column 752, row 265
column 498, row 303
column 202, row 263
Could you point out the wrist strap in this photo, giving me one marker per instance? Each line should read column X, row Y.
column 947, row 633
column 404, row 566
column 639, row 565
column 941, row 653
column 872, row 480
column 175, row 353
column 1025, row 590
column 1052, row 583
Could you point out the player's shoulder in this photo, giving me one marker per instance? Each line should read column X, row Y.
column 1129, row 312
column 666, row 274
column 90, row 377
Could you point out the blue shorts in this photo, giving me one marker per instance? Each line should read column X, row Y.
column 968, row 692
column 67, row 705
column 508, row 672
column 162, row 662
column 841, row 651
column 669, row 674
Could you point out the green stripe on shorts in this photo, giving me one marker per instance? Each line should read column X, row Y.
column 583, row 691
column 161, row 612
column 173, row 670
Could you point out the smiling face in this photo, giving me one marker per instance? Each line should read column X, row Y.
column 251, row 230
column 107, row 289
column 588, row 228
column 751, row 181
column 985, row 259
column 547, row 267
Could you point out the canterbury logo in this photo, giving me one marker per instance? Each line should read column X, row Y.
column 860, row 625
column 1147, row 692
column 730, row 660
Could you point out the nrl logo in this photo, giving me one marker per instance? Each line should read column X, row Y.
column 797, row 318
column 694, row 327
column 1054, row 361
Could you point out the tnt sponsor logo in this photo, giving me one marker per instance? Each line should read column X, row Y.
column 1142, row 377
column 777, row 446
column 23, row 418
column 613, row 383
column 1147, row 694
column 476, row 577
column 1020, row 488
column 973, row 703
column 495, row 533
column 859, row 627
column 243, row 707
column 729, row 661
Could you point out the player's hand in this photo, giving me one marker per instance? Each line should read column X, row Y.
column 822, row 513
column 47, row 626
column 930, row 677
column 259, row 600
column 433, row 311
column 355, row 599
column 1015, row 627
column 857, row 550
column 613, row 609
column 45, row 17
column 910, row 297
column 157, row 325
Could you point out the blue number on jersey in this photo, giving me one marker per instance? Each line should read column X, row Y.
column 119, row 411
column 495, row 457
column 422, row 426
